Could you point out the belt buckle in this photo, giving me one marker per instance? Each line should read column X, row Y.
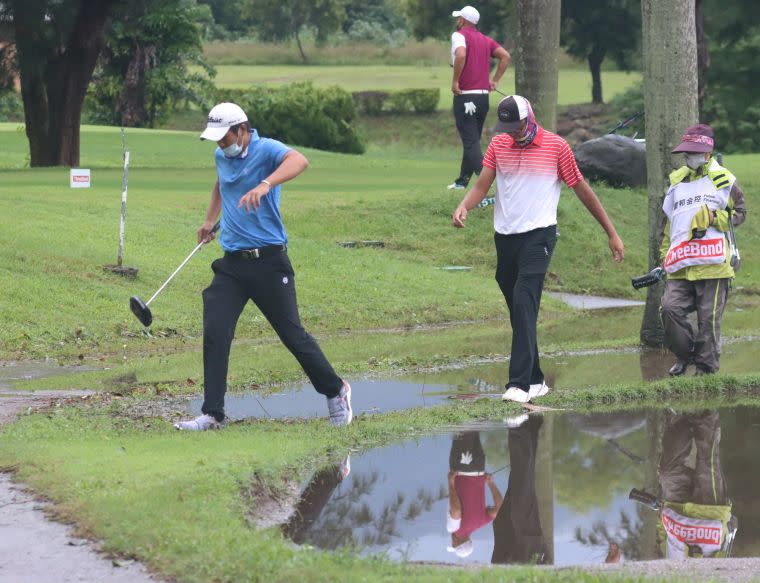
column 251, row 253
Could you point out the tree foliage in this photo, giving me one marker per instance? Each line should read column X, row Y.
column 57, row 45
column 593, row 31
column 278, row 20
column 733, row 32
column 145, row 69
column 432, row 18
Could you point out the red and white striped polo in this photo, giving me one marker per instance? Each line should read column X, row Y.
column 528, row 180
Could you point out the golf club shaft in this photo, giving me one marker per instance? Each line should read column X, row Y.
column 194, row 251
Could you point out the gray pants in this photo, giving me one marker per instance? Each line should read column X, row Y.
column 705, row 483
column 707, row 298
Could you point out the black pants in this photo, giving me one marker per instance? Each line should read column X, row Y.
column 517, row 533
column 521, row 264
column 470, row 127
column 269, row 282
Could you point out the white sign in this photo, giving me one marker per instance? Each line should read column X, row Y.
column 80, row 178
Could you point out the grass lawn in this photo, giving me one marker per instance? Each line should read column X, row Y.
column 177, row 501
column 574, row 85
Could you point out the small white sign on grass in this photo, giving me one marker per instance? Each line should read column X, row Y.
column 80, row 178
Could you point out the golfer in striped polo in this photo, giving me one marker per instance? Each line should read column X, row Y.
column 529, row 164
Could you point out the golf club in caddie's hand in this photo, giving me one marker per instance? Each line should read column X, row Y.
column 140, row 308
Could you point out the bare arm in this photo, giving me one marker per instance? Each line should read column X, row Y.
column 293, row 163
column 591, row 202
column 498, row 499
column 504, row 59
column 476, row 194
column 455, row 507
column 459, row 57
column 214, row 207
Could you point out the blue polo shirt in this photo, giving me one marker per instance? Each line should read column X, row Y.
column 237, row 176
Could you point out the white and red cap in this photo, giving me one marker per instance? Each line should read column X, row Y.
column 469, row 13
column 513, row 109
column 220, row 119
column 696, row 139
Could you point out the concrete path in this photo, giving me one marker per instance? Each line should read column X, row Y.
column 33, row 548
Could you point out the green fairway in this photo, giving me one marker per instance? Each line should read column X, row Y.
column 574, row 85
column 57, row 299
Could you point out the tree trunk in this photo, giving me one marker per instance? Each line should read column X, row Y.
column 703, row 56
column 54, row 79
column 595, row 59
column 300, row 47
column 670, row 81
column 536, row 66
column 132, row 102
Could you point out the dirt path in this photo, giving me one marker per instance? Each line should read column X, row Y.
column 33, row 548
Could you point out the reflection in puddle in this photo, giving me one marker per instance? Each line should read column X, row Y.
column 552, row 489
column 567, row 371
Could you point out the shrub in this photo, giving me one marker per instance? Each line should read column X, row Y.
column 405, row 101
column 11, row 107
column 301, row 114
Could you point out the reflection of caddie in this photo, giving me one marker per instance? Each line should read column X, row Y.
column 702, row 199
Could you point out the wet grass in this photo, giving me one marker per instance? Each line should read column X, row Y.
column 175, row 500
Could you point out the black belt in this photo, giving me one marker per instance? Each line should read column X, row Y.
column 258, row 253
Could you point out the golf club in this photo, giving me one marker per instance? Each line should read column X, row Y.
column 140, row 308
column 648, row 279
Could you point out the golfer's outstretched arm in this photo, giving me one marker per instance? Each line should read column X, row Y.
column 476, row 194
column 214, row 207
column 593, row 204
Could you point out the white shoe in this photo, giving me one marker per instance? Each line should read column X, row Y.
column 538, row 390
column 339, row 407
column 202, row 423
column 515, row 394
column 517, row 421
column 456, row 186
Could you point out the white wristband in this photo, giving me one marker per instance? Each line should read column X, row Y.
column 269, row 184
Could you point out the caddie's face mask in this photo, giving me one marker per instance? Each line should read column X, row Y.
column 695, row 160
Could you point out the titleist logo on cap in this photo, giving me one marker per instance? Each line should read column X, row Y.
column 214, row 119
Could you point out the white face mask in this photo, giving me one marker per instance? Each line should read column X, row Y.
column 233, row 150
column 694, row 161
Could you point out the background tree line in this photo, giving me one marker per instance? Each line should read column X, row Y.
column 132, row 62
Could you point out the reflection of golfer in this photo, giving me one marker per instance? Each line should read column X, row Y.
column 517, row 533
column 471, row 53
column 467, row 492
column 255, row 265
column 529, row 165
column 696, row 512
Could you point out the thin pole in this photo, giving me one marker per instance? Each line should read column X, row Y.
column 123, row 222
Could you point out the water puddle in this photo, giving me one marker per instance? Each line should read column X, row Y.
column 559, row 491
column 584, row 302
column 11, row 372
column 567, row 371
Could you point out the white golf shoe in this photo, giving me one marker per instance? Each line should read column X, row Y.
column 515, row 394
column 339, row 407
column 538, row 390
column 202, row 423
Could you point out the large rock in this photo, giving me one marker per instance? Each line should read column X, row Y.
column 617, row 160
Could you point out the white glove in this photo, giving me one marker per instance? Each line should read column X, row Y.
column 469, row 108
column 466, row 458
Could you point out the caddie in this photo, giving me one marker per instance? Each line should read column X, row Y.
column 698, row 252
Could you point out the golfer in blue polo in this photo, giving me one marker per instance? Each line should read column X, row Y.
column 255, row 265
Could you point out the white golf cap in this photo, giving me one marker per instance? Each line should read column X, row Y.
column 462, row 551
column 468, row 13
column 220, row 119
